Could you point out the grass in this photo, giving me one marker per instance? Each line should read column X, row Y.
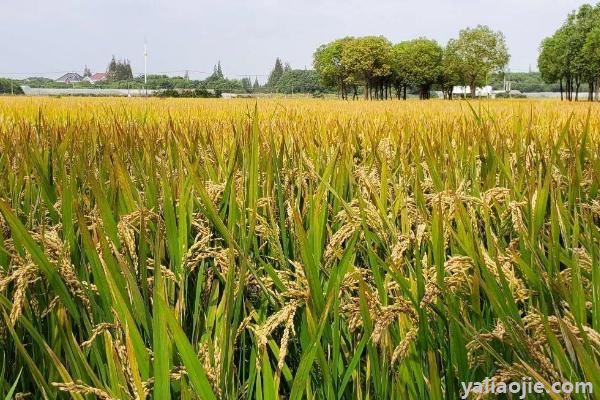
column 296, row 249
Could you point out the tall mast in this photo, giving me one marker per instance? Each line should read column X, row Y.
column 145, row 67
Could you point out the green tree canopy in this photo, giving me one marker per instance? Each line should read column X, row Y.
column 549, row 62
column 477, row 53
column 119, row 70
column 217, row 74
column 569, row 56
column 327, row 61
column 378, row 66
column 591, row 52
column 299, row 81
column 275, row 73
column 418, row 62
column 368, row 61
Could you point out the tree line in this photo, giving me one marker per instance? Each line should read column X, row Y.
column 571, row 56
column 284, row 79
column 381, row 70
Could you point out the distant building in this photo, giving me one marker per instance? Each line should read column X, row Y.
column 97, row 77
column 465, row 91
column 70, row 77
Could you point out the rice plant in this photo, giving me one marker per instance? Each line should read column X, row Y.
column 223, row 249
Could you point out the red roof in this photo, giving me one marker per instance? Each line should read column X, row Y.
column 98, row 76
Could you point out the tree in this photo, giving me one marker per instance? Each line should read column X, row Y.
column 218, row 71
column 112, row 68
column 379, row 66
column 368, row 61
column 119, row 70
column 580, row 24
column 256, row 85
column 477, row 53
column 401, row 75
column 570, row 55
column 417, row 62
column 10, row 86
column 246, row 84
column 450, row 74
column 591, row 51
column 275, row 73
column 86, row 72
column 588, row 24
column 524, row 82
column 299, row 81
column 216, row 76
column 550, row 63
column 327, row 61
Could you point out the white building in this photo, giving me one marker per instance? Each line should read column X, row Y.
column 465, row 91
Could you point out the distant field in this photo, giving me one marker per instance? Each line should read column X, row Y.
column 296, row 248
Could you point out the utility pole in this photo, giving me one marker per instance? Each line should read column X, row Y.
column 146, row 68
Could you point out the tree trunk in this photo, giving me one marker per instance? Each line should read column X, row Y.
column 473, row 90
column 597, row 89
column 571, row 89
column 404, row 92
column 561, row 90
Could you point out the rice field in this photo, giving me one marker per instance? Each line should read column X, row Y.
column 227, row 249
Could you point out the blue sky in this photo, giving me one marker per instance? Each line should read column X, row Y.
column 50, row 37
